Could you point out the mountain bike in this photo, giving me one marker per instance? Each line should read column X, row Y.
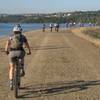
column 17, row 76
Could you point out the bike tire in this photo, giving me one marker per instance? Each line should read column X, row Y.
column 17, row 79
column 16, row 84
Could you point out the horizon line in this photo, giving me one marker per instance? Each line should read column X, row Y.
column 50, row 12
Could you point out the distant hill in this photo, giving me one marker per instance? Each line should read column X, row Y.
column 77, row 16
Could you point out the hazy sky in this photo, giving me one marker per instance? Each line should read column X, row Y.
column 47, row 6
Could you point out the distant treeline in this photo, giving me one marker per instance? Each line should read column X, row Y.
column 30, row 19
column 78, row 16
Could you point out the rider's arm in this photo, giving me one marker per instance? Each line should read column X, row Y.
column 7, row 46
column 28, row 47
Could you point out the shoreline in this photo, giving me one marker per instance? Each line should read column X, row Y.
column 75, row 31
column 22, row 32
column 5, row 36
column 29, row 34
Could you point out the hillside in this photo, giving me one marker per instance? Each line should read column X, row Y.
column 62, row 17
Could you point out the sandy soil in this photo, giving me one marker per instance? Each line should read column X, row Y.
column 62, row 66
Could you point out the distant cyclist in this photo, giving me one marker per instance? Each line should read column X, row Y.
column 51, row 26
column 14, row 47
column 43, row 28
column 57, row 27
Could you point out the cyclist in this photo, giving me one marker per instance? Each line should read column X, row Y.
column 51, row 26
column 14, row 47
column 43, row 28
column 57, row 27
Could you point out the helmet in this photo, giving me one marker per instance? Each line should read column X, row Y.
column 17, row 28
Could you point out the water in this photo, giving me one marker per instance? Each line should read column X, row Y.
column 6, row 28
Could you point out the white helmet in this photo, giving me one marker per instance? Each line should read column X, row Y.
column 17, row 29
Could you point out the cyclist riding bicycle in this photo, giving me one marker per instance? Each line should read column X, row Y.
column 14, row 47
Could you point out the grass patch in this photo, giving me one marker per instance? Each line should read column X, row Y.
column 94, row 32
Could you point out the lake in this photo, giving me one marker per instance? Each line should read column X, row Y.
column 6, row 28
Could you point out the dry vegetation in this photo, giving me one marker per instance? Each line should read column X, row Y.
column 91, row 34
column 94, row 32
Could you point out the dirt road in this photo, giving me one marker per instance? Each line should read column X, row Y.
column 62, row 67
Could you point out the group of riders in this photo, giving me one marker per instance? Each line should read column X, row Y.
column 51, row 26
column 15, row 48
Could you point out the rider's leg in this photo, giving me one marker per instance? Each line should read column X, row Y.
column 22, row 67
column 11, row 73
column 11, row 65
column 11, row 70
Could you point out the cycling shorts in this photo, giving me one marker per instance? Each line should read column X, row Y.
column 16, row 53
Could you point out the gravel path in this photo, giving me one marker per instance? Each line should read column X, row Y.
column 62, row 67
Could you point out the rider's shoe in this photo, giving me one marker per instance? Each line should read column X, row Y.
column 22, row 72
column 11, row 84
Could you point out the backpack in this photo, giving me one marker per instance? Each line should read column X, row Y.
column 16, row 41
